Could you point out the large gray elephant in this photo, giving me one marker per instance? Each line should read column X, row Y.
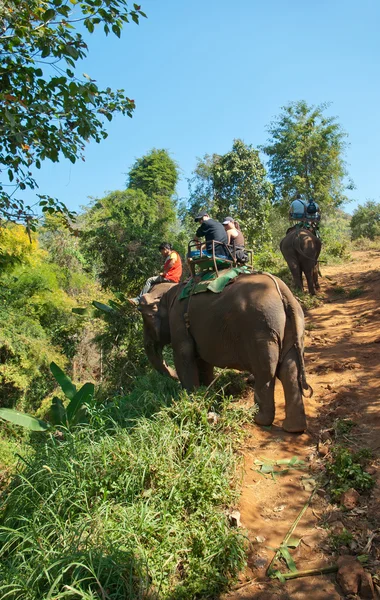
column 301, row 250
column 254, row 325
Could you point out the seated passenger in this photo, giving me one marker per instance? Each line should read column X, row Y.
column 297, row 209
column 234, row 234
column 312, row 211
column 171, row 272
column 213, row 231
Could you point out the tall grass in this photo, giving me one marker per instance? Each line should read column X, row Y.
column 130, row 507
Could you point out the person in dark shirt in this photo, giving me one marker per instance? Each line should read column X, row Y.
column 211, row 230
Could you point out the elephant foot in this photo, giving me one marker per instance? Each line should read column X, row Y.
column 263, row 419
column 294, row 425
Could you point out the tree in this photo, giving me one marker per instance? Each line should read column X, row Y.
column 365, row 221
column 234, row 184
column 122, row 231
column 46, row 110
column 306, row 151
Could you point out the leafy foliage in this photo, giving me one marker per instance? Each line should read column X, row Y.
column 365, row 221
column 121, row 232
column 305, row 152
column 234, row 184
column 346, row 471
column 37, row 325
column 46, row 110
column 135, row 511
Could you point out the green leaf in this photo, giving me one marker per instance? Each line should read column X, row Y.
column 85, row 393
column 65, row 382
column 48, row 14
column 277, row 574
column 23, row 419
column 267, row 469
column 71, row 51
column 288, row 559
column 116, row 29
column 58, row 412
column 103, row 307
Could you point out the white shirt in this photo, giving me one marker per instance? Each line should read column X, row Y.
column 298, row 207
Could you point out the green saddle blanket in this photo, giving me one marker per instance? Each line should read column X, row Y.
column 212, row 282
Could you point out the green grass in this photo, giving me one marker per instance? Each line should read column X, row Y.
column 131, row 506
column 341, row 539
column 347, row 471
column 356, row 292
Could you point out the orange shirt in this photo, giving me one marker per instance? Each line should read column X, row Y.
column 175, row 271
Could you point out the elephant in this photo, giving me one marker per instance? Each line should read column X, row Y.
column 255, row 325
column 301, row 249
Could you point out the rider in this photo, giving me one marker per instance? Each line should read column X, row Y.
column 171, row 272
column 313, row 216
column 211, row 230
column 297, row 209
column 234, row 234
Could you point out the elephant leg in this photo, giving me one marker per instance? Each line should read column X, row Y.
column 265, row 375
column 309, row 274
column 295, row 269
column 206, row 372
column 315, row 277
column 295, row 418
column 264, row 398
column 186, row 364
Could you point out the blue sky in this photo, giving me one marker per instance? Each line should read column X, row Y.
column 205, row 72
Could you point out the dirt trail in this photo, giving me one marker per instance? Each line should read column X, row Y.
column 342, row 360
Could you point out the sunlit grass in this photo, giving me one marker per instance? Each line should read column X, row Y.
column 130, row 506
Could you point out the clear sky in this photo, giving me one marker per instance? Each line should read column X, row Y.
column 205, row 72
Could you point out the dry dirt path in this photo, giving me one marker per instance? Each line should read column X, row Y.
column 342, row 360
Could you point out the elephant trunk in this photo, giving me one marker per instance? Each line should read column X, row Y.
column 154, row 354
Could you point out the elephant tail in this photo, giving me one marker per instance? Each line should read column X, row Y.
column 292, row 310
column 297, row 247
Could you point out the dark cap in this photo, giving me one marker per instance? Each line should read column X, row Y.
column 200, row 215
column 228, row 220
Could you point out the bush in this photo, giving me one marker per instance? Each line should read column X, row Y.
column 365, row 222
column 136, row 511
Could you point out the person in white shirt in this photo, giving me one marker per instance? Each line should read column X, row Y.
column 297, row 209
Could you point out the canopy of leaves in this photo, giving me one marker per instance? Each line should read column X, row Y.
column 234, row 184
column 365, row 221
column 46, row 110
column 36, row 322
column 156, row 174
column 121, row 232
column 306, row 151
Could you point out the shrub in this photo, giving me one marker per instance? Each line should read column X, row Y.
column 137, row 511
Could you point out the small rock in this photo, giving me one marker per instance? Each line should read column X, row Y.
column 323, row 449
column 279, row 508
column 371, row 470
column 349, row 574
column 260, row 539
column 350, row 499
column 367, row 589
column 337, row 528
column 212, row 418
column 329, row 386
column 234, row 518
column 260, row 562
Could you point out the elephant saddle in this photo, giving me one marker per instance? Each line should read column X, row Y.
column 212, row 282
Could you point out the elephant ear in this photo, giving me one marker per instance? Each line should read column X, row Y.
column 149, row 304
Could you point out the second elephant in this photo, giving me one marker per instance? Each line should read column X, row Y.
column 301, row 250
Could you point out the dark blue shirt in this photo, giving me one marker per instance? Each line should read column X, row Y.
column 213, row 230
